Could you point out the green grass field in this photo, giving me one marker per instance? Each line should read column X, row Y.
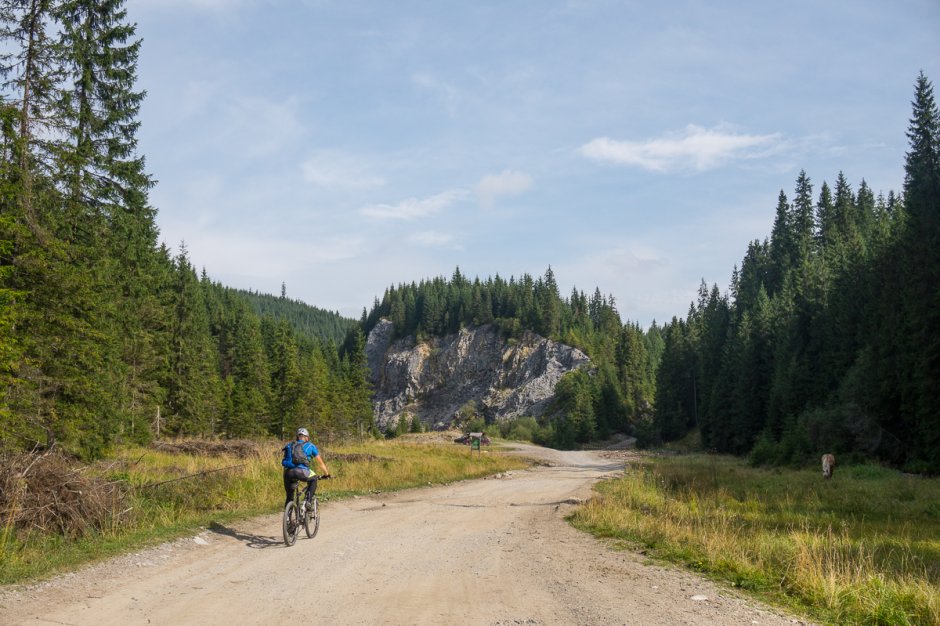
column 863, row 548
column 248, row 482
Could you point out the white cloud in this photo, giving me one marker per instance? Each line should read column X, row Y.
column 331, row 169
column 695, row 148
column 413, row 208
column 506, row 183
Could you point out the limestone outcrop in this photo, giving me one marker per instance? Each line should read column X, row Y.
column 434, row 379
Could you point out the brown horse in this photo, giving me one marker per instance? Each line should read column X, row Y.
column 828, row 463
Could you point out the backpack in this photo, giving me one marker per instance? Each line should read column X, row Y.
column 297, row 454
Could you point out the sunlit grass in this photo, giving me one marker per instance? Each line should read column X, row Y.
column 172, row 494
column 401, row 465
column 863, row 548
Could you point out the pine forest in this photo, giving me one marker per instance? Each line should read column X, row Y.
column 105, row 336
column 828, row 339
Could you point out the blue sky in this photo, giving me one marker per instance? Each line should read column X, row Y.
column 340, row 147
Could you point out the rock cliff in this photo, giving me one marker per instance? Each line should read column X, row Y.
column 434, row 379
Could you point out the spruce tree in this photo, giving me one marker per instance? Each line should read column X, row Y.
column 922, row 271
column 192, row 384
column 250, row 412
column 316, row 389
column 782, row 245
column 286, row 382
column 825, row 218
column 101, row 107
column 358, row 385
column 845, row 218
column 865, row 210
column 31, row 71
column 548, row 300
column 802, row 216
column 10, row 311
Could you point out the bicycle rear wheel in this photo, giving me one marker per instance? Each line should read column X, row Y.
column 291, row 523
column 312, row 519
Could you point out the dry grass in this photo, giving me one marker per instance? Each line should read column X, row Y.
column 863, row 548
column 58, row 513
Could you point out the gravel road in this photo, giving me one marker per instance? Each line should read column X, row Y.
column 495, row 551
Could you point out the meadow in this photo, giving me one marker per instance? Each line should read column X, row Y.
column 58, row 514
column 861, row 548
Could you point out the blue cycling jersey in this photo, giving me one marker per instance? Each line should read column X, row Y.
column 309, row 448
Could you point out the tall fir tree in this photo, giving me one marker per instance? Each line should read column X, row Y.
column 31, row 68
column 192, row 384
column 782, row 245
column 825, row 218
column 250, row 412
column 802, row 216
column 286, row 381
column 922, row 268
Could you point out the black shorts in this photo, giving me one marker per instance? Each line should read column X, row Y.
column 298, row 474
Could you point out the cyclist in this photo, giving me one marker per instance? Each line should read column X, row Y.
column 297, row 455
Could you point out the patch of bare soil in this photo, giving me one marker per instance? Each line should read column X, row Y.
column 496, row 551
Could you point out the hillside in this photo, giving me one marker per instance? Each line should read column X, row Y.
column 306, row 320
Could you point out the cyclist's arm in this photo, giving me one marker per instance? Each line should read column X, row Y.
column 322, row 465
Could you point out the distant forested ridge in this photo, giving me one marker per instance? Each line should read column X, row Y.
column 830, row 338
column 310, row 321
column 615, row 397
column 104, row 335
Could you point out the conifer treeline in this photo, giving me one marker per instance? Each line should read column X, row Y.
column 103, row 335
column 830, row 339
column 616, row 397
column 310, row 321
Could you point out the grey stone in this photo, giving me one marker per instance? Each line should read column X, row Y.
column 434, row 379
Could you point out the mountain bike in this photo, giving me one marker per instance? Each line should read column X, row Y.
column 298, row 513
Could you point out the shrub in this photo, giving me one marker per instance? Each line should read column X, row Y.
column 520, row 429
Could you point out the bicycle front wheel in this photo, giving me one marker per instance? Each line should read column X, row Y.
column 291, row 523
column 312, row 519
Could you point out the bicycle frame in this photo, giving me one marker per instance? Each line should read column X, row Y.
column 297, row 512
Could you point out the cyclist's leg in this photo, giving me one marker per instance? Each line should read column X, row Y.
column 288, row 486
column 311, row 485
column 291, row 476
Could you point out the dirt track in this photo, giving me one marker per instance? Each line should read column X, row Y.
column 494, row 551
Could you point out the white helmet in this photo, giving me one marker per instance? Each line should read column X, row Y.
column 302, row 431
